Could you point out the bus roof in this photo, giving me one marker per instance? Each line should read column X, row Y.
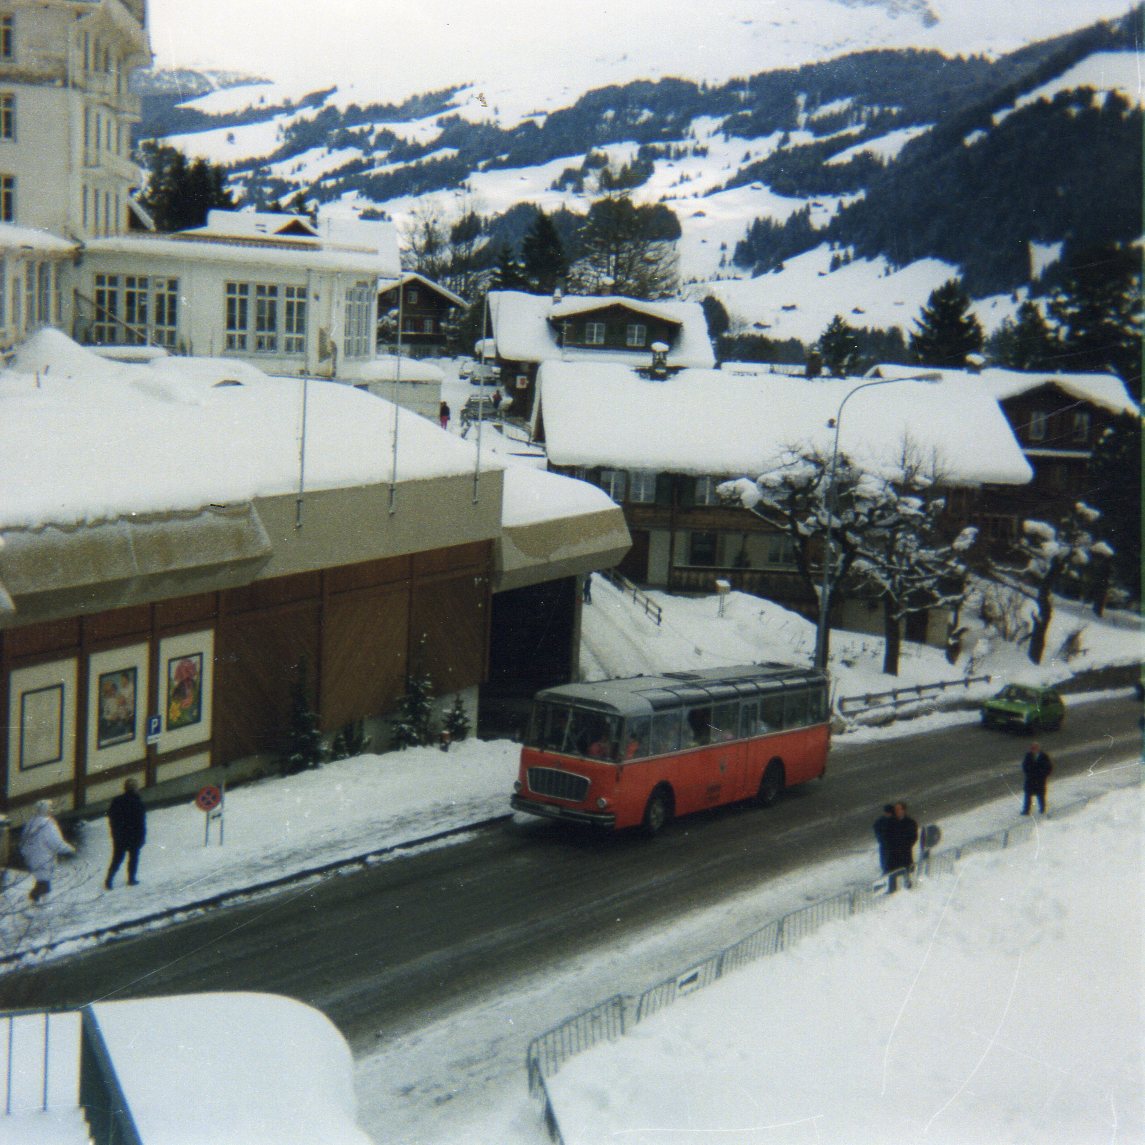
column 635, row 695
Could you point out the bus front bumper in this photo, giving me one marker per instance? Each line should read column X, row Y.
column 568, row 814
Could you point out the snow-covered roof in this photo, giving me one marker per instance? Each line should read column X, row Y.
column 1104, row 390
column 255, row 225
column 14, row 238
column 389, row 368
column 413, row 276
column 525, row 330
column 703, row 422
column 83, row 439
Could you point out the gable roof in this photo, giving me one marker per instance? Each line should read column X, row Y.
column 409, row 276
column 1107, row 391
column 704, row 422
column 524, row 328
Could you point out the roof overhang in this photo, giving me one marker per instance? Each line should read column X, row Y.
column 53, row 572
column 534, row 552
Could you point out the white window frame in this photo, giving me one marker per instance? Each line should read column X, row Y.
column 8, row 116
column 594, row 333
column 7, row 198
column 265, row 318
column 237, row 315
column 615, row 483
column 705, row 492
column 358, row 335
column 1038, row 425
column 7, row 37
column 636, row 335
column 642, row 486
column 1081, row 426
column 294, row 320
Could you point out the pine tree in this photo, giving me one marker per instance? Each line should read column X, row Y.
column 415, row 712
column 1098, row 309
column 456, row 720
column 839, row 348
column 543, row 258
column 948, row 333
column 628, row 249
column 1115, row 489
column 1025, row 342
column 179, row 194
column 509, row 271
column 304, row 743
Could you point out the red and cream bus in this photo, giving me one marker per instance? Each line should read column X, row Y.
column 640, row 750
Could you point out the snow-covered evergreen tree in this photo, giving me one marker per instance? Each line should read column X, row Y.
column 1047, row 554
column 456, row 720
column 304, row 744
column 948, row 332
column 412, row 724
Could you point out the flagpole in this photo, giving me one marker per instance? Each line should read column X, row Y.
column 397, row 385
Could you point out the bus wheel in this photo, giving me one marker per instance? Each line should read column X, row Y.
column 658, row 811
column 771, row 785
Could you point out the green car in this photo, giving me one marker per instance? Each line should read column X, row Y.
column 1021, row 707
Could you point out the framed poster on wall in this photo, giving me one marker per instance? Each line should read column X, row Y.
column 186, row 679
column 118, row 703
column 41, row 713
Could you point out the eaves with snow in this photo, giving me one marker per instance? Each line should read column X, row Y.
column 527, row 327
column 1107, row 391
column 704, row 422
column 125, row 482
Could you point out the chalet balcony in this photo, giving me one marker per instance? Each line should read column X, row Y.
column 786, row 588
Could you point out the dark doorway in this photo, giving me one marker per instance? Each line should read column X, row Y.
column 635, row 563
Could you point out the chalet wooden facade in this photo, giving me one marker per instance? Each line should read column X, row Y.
column 528, row 330
column 424, row 311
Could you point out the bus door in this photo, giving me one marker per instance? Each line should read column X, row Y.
column 712, row 771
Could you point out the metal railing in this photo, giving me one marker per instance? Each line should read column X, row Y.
column 639, row 597
column 911, row 694
column 611, row 1019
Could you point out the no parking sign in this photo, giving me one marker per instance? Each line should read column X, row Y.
column 210, row 800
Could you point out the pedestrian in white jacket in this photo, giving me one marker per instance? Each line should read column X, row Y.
column 41, row 842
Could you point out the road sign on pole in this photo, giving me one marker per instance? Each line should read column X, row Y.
column 210, row 800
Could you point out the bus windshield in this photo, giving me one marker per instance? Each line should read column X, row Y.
column 574, row 731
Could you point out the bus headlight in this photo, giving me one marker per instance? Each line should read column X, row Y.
column 517, row 786
column 601, row 802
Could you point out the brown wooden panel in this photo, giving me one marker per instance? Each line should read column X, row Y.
column 270, row 593
column 451, row 616
column 348, row 578
column 474, row 555
column 34, row 639
column 121, row 622
column 363, row 655
column 186, row 610
column 256, row 659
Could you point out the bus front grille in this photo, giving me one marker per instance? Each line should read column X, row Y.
column 557, row 784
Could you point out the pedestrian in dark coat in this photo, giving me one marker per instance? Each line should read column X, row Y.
column 443, row 413
column 1036, row 767
column 882, row 828
column 901, row 839
column 127, row 819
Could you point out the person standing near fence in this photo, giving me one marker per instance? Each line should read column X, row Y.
column 882, row 828
column 127, row 819
column 901, row 838
column 1036, row 768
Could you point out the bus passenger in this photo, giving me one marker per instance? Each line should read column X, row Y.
column 633, row 748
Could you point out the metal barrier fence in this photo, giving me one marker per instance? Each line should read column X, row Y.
column 909, row 695
column 610, row 1019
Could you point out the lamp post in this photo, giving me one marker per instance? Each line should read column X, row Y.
column 832, row 499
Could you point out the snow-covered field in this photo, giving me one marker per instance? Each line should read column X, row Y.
column 1029, row 924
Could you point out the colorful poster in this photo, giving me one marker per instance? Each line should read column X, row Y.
column 117, row 703
column 184, row 691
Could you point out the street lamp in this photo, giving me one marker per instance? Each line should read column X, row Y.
column 832, row 498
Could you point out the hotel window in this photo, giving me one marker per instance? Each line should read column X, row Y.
column 780, row 550
column 106, row 326
column 165, row 311
column 7, row 37
column 614, row 482
column 3, row 293
column 358, row 339
column 635, row 334
column 30, row 294
column 642, row 486
column 44, row 294
column 7, row 115
column 294, row 320
column 594, row 333
column 1081, row 427
column 237, row 314
column 1037, row 426
column 412, row 295
column 7, row 198
column 266, row 319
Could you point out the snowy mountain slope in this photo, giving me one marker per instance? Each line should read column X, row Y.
column 783, row 143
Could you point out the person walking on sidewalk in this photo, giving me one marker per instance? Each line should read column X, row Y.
column 127, row 819
column 901, row 838
column 41, row 842
column 1036, row 767
column 883, row 826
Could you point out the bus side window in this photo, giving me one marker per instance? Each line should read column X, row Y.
column 771, row 712
column 795, row 709
column 666, row 732
column 698, row 727
column 636, row 739
column 749, row 718
column 725, row 721
column 817, row 706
